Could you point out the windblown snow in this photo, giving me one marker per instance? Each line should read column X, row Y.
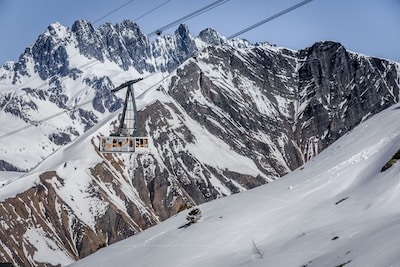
column 337, row 210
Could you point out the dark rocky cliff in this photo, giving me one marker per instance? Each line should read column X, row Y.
column 337, row 91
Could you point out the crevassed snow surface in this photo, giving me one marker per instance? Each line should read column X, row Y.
column 337, row 210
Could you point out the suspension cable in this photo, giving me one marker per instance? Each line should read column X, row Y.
column 189, row 16
column 113, row 11
column 270, row 18
column 151, row 10
column 68, row 109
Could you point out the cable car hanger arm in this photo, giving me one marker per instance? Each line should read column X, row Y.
column 126, row 84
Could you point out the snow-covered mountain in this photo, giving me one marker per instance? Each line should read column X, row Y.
column 222, row 117
column 339, row 209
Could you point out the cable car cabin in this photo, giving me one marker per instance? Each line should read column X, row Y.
column 124, row 144
column 128, row 138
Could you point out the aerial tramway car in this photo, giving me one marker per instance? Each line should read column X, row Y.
column 128, row 138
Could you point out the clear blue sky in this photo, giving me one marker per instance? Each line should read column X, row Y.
column 370, row 27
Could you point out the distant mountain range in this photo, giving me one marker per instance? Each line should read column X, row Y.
column 222, row 116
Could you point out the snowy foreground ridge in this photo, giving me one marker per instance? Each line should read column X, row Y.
column 337, row 210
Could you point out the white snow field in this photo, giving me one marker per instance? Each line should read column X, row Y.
column 337, row 210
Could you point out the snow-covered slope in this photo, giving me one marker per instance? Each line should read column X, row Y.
column 339, row 209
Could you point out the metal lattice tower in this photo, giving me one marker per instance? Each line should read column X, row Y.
column 129, row 124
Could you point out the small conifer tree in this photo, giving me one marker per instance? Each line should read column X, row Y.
column 194, row 215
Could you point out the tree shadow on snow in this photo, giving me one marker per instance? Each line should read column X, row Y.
column 186, row 225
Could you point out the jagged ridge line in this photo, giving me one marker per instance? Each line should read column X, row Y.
column 68, row 109
column 27, row 83
column 193, row 14
column 187, row 17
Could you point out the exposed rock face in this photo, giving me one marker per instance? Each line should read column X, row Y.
column 211, row 37
column 5, row 166
column 289, row 103
column 338, row 90
column 265, row 108
column 42, row 216
column 239, row 101
column 181, row 172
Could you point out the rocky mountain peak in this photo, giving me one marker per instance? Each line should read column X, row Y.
column 130, row 28
column 8, row 65
column 56, row 30
column 88, row 39
column 185, row 43
column 82, row 27
column 212, row 37
column 326, row 46
column 183, row 31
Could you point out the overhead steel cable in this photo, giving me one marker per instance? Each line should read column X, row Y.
column 68, row 109
column 287, row 10
column 113, row 11
column 151, row 10
column 189, row 16
column 35, row 123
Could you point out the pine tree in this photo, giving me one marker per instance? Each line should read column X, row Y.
column 194, row 215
